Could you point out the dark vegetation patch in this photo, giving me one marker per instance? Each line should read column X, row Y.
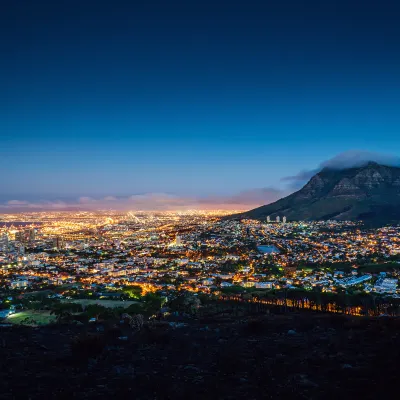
column 218, row 355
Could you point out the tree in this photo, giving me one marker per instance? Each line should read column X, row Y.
column 218, row 280
column 185, row 302
column 134, row 309
column 64, row 311
column 133, row 292
column 152, row 303
column 191, row 303
column 95, row 310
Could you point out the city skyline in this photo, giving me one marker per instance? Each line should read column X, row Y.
column 190, row 104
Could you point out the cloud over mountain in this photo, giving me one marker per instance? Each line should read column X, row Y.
column 347, row 159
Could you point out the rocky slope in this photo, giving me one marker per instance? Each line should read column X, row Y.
column 370, row 193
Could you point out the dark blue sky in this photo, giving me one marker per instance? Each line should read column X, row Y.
column 193, row 98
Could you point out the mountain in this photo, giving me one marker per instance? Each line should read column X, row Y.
column 370, row 193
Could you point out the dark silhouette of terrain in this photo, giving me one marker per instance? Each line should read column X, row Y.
column 219, row 355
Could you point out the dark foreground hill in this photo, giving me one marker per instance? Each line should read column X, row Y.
column 294, row 356
column 370, row 193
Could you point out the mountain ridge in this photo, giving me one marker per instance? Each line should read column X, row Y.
column 370, row 193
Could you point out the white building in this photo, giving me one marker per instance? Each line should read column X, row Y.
column 386, row 285
column 268, row 219
column 248, row 284
column 232, row 257
column 19, row 284
column 264, row 285
column 284, row 220
column 4, row 243
column 278, row 219
column 354, row 280
column 225, row 276
column 177, row 242
column 208, row 282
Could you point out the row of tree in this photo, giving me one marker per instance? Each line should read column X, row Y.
column 356, row 304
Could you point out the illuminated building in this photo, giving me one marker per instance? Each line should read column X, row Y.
column 19, row 284
column 264, row 285
column 4, row 243
column 58, row 242
column 20, row 236
column 32, row 235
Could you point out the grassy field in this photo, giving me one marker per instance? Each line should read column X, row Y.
column 104, row 303
column 43, row 293
column 375, row 268
column 32, row 318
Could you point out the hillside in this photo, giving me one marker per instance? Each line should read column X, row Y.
column 370, row 193
column 292, row 356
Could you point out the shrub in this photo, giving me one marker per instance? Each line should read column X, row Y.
column 114, row 332
column 87, row 345
column 255, row 327
column 158, row 334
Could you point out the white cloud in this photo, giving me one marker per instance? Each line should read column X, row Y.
column 110, row 198
column 153, row 202
column 16, row 202
column 86, row 200
column 347, row 159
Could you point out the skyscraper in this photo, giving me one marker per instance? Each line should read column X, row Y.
column 284, row 220
column 20, row 236
column 268, row 219
column 32, row 235
column 58, row 242
column 278, row 219
column 4, row 243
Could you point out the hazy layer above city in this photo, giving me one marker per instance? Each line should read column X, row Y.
column 152, row 201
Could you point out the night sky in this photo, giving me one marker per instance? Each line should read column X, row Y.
column 212, row 100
